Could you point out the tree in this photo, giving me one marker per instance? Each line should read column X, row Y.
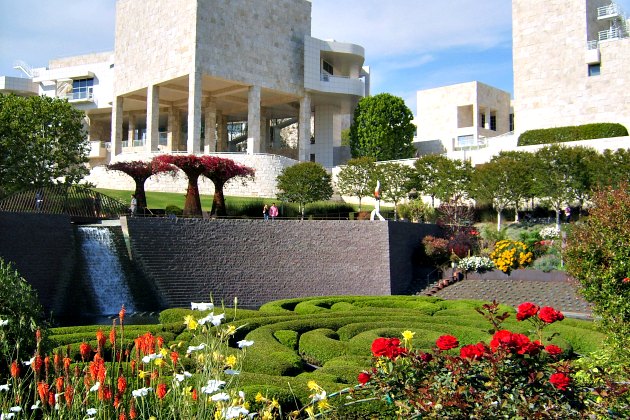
column 140, row 171
column 220, row 171
column 394, row 179
column 42, row 142
column 304, row 183
column 356, row 178
column 515, row 166
column 382, row 128
column 440, row 177
column 489, row 183
column 193, row 167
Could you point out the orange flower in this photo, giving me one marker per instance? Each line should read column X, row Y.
column 37, row 364
column 133, row 366
column 51, row 398
column 42, row 390
column 100, row 339
column 59, row 385
column 66, row 363
column 112, row 335
column 121, row 314
column 104, row 393
column 194, row 395
column 132, row 410
column 38, row 336
column 122, row 416
column 122, row 384
column 69, row 395
column 116, row 401
column 160, row 391
column 15, row 369
column 155, row 374
column 85, row 351
column 57, row 362
column 160, row 342
column 174, row 357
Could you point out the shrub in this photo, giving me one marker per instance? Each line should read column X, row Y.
column 547, row 263
column 416, row 211
column 436, row 249
column 173, row 209
column 550, row 232
column 572, row 133
column 21, row 315
column 509, row 255
column 478, row 264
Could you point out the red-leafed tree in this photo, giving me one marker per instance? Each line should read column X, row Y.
column 140, row 171
column 193, row 167
column 220, row 171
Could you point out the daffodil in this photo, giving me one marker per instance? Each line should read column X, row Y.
column 231, row 329
column 260, row 398
column 310, row 411
column 190, row 322
column 231, row 360
column 323, row 405
column 408, row 335
column 312, row 385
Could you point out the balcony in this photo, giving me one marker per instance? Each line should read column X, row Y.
column 607, row 12
column 341, row 84
column 83, row 96
column 612, row 33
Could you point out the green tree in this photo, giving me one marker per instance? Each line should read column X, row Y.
column 345, row 137
column 516, row 166
column 42, row 142
column 395, row 180
column 356, row 178
column 440, row 177
column 382, row 128
column 489, row 184
column 304, row 183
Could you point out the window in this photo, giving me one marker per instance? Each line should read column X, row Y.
column 594, row 70
column 465, row 141
column 493, row 122
column 312, row 157
column 328, row 68
column 483, row 121
column 511, row 122
column 82, row 88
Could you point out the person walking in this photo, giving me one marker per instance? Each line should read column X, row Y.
column 133, row 207
column 266, row 212
column 273, row 211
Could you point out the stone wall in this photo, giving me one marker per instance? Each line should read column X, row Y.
column 41, row 248
column 257, row 261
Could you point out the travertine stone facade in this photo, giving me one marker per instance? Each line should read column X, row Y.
column 552, row 86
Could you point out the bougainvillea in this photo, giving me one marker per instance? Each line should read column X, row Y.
column 220, row 171
column 140, row 171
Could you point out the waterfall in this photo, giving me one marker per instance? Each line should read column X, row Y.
column 104, row 270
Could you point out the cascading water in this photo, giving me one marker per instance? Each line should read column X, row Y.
column 104, row 270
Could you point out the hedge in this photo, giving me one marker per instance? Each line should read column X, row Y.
column 572, row 133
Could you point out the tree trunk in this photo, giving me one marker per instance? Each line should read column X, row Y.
column 498, row 220
column 359, row 203
column 433, row 201
column 192, row 205
column 557, row 219
column 302, row 209
column 516, row 213
column 141, row 196
column 218, row 201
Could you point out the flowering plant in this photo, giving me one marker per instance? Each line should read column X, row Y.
column 550, row 232
column 478, row 264
column 512, row 376
column 509, row 255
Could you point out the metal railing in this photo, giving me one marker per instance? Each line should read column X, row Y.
column 612, row 33
column 610, row 10
column 78, row 96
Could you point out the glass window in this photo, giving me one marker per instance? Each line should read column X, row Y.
column 82, row 88
column 465, row 141
column 328, row 68
column 594, row 70
column 493, row 122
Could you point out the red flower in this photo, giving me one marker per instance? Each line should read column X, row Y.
column 59, row 385
column 560, row 381
column 512, row 342
column 447, row 342
column 174, row 357
column 122, row 384
column 553, row 350
column 100, row 339
column 69, row 395
column 549, row 315
column 426, row 357
column 104, row 393
column 526, row 310
column 160, row 390
column 472, row 351
column 15, row 369
column 389, row 347
column 194, row 395
column 85, row 351
column 51, row 398
column 132, row 410
column 364, row 378
column 625, row 280
column 530, row 347
column 42, row 390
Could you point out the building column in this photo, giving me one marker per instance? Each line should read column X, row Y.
column 264, row 131
column 170, row 129
column 117, row 125
column 304, row 128
column 194, row 113
column 253, row 120
column 211, row 125
column 131, row 132
column 222, row 134
column 488, row 114
column 153, row 118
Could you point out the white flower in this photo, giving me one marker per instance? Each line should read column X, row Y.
column 95, row 387
column 232, row 372
column 7, row 416
column 241, row 394
column 235, row 412
column 201, row 306
column 195, row 348
column 222, row 396
column 16, row 409
column 152, row 356
column 4, row 322
column 28, row 362
column 36, row 405
column 212, row 386
column 244, row 343
column 180, row 377
column 320, row 396
column 5, row 387
column 91, row 411
column 142, row 392
column 211, row 318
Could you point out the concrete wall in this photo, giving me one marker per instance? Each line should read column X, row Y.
column 258, row 261
column 41, row 248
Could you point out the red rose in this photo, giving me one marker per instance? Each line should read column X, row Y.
column 472, row 351
column 531, row 347
column 625, row 280
column 426, row 357
column 447, row 342
column 502, row 338
column 379, row 347
column 526, row 310
column 389, row 347
column 553, row 350
column 560, row 381
column 364, row 378
column 549, row 315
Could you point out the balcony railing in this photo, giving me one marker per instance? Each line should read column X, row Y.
column 612, row 33
column 87, row 95
column 592, row 45
column 608, row 11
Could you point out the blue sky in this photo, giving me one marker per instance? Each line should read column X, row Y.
column 410, row 44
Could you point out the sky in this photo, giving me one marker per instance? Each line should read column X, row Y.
column 410, row 44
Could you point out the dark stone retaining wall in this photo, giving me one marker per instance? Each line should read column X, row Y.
column 259, row 261
column 41, row 248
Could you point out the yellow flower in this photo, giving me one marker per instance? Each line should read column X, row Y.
column 231, row 329
column 159, row 362
column 164, row 352
column 231, row 360
column 310, row 411
column 142, row 374
column 408, row 335
column 190, row 322
column 275, row 404
column 201, row 358
column 323, row 405
column 312, row 385
column 267, row 415
column 260, row 397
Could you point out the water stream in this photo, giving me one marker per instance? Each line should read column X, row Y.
column 104, row 271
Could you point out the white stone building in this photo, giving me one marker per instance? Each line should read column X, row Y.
column 182, row 71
